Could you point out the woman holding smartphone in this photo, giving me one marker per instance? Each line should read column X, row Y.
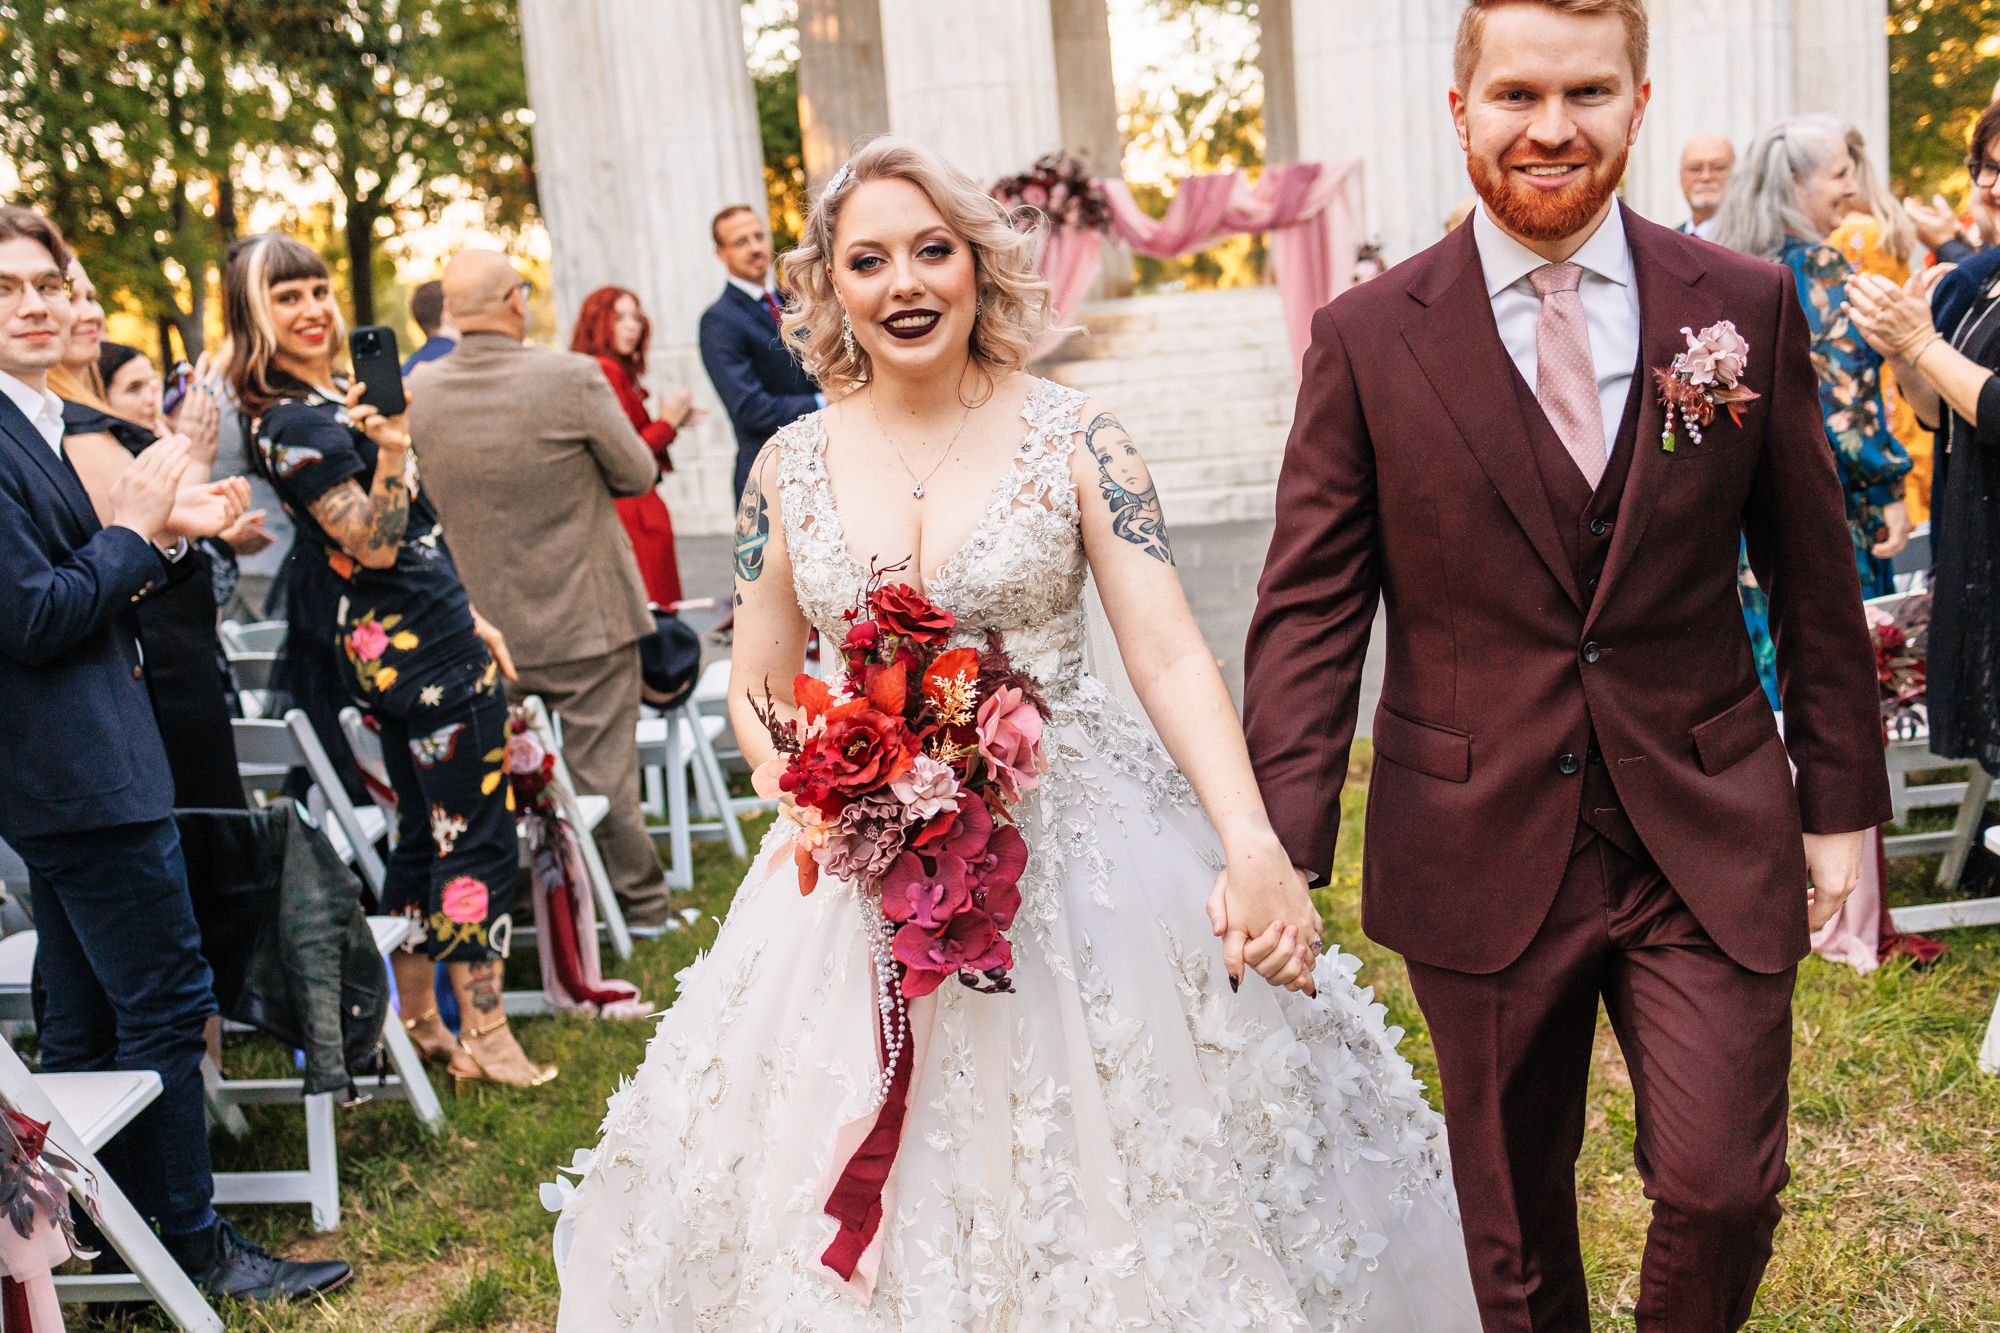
column 373, row 585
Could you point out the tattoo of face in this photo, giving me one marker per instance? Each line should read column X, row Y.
column 753, row 530
column 1128, row 488
column 485, row 986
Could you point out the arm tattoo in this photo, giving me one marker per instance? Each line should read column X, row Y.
column 391, row 516
column 1127, row 487
column 365, row 522
column 753, row 529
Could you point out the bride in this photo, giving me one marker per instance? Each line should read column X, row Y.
column 1126, row 1140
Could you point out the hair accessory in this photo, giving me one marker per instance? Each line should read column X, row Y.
column 846, row 334
column 839, row 179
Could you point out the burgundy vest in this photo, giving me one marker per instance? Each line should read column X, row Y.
column 1585, row 521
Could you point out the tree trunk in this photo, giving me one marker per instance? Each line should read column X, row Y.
column 361, row 259
column 166, row 332
column 225, row 207
column 193, row 326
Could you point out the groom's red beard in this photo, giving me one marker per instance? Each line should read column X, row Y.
column 1544, row 215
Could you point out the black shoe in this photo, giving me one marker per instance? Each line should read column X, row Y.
column 224, row 1264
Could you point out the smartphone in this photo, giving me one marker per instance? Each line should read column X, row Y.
column 378, row 365
column 178, row 380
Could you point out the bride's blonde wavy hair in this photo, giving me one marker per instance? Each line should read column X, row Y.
column 1015, row 306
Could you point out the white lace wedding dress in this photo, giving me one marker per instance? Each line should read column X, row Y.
column 1120, row 1143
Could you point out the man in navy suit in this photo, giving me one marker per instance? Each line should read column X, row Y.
column 85, row 793
column 762, row 386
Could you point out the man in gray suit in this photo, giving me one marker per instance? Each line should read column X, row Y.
column 523, row 450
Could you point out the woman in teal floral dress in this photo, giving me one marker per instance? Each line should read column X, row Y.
column 1793, row 188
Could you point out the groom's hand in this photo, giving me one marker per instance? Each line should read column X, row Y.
column 1833, row 865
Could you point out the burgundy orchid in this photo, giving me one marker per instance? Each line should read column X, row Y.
column 915, row 895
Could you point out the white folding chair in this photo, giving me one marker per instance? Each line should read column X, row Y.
column 17, row 979
column 587, row 813
column 83, row 1113
column 253, row 681
column 673, row 748
column 269, row 748
column 259, row 636
column 1989, row 1049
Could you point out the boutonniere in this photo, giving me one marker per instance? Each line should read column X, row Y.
column 1706, row 376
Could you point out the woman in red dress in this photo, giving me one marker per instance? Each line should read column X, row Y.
column 612, row 328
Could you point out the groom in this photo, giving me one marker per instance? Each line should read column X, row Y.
column 1580, row 792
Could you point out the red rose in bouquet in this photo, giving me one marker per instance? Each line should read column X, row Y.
column 900, row 609
column 851, row 748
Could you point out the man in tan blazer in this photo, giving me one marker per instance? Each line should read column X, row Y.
column 522, row 450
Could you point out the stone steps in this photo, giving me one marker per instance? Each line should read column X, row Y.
column 1204, row 383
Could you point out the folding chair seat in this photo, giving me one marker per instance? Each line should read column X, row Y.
column 259, row 636
column 267, row 749
column 671, row 748
column 17, row 978
column 83, row 1113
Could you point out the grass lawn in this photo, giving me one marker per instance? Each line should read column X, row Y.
column 1893, row 1218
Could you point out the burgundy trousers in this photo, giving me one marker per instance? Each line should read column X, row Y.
column 1709, row 1046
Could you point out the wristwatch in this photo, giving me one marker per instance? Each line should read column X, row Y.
column 174, row 554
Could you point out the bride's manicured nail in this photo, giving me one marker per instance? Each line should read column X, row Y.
column 1235, row 982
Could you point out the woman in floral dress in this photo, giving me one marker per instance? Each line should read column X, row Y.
column 370, row 564
column 1792, row 190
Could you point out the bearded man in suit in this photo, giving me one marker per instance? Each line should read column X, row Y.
column 1579, row 791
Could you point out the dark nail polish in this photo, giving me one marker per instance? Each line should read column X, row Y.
column 1235, row 983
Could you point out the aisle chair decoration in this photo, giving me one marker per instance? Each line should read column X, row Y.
column 565, row 912
column 35, row 1233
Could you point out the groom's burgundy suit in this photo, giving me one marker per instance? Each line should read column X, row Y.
column 1579, row 789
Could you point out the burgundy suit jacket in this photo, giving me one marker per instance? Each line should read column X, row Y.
column 1410, row 476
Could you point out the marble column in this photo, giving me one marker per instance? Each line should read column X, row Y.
column 1840, row 65
column 1277, row 61
column 843, row 97
column 976, row 82
column 1371, row 79
column 631, row 166
column 1087, row 109
column 1718, row 67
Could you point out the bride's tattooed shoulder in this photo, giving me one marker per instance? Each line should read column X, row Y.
column 1127, row 487
column 753, row 524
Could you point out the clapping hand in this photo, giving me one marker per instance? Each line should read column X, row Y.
column 142, row 498
column 1935, row 221
column 246, row 536
column 210, row 509
column 679, row 409
column 1894, row 320
column 1260, row 890
column 197, row 415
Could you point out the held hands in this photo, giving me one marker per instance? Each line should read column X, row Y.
column 1833, row 862
column 496, row 643
column 387, row 432
column 1261, row 890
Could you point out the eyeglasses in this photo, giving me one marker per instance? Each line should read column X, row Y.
column 52, row 288
column 1984, row 174
column 527, row 290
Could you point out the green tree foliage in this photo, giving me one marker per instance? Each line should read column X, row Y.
column 1944, row 58
column 124, row 125
column 784, row 154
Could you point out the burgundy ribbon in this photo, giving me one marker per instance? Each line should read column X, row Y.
column 14, row 1314
column 856, row 1200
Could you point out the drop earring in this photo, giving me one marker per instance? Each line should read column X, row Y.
column 846, row 334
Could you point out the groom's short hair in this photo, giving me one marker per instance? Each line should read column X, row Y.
column 1472, row 27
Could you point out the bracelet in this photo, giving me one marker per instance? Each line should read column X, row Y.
column 1924, row 346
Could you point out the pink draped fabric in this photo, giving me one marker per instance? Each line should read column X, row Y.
column 1311, row 209
column 1854, row 936
column 1071, row 260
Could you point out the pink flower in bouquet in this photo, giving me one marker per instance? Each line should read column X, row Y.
column 912, row 894
column 1034, row 196
column 862, row 844
column 524, row 752
column 994, row 875
column 465, row 900
column 928, row 788
column 1010, row 740
column 971, row 943
column 367, row 640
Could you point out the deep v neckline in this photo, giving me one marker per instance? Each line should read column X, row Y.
column 1008, row 478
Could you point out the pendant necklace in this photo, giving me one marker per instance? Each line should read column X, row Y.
column 918, row 493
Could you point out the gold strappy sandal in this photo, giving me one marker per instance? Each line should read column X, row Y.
column 459, row 1078
column 433, row 1055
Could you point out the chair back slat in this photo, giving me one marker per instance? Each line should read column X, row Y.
column 262, row 742
column 263, row 636
column 253, row 670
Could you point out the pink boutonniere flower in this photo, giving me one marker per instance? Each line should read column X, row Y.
column 1706, row 376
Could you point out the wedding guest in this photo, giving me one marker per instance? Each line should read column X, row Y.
column 612, row 327
column 524, row 449
column 1878, row 236
column 1706, row 162
column 131, row 386
column 1795, row 185
column 85, row 791
column 1945, row 351
column 374, row 587
column 761, row 384
column 440, row 332
column 184, row 672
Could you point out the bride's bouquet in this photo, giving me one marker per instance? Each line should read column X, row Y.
column 902, row 779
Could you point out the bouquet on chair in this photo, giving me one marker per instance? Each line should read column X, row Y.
column 1902, row 663
column 35, row 1224
column 903, row 783
column 565, row 915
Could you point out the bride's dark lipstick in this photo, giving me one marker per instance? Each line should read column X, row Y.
column 931, row 318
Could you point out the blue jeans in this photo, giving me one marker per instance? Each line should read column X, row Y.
column 120, row 958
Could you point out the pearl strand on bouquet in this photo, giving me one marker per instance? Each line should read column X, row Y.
column 888, row 993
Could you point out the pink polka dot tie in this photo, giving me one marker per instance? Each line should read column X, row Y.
column 1565, row 380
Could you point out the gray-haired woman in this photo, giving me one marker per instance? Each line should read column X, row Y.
column 1790, row 191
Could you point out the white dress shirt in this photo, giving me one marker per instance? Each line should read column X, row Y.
column 1610, row 293
column 42, row 408
column 751, row 289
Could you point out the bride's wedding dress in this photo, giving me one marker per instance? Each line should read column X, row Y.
column 1120, row 1143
